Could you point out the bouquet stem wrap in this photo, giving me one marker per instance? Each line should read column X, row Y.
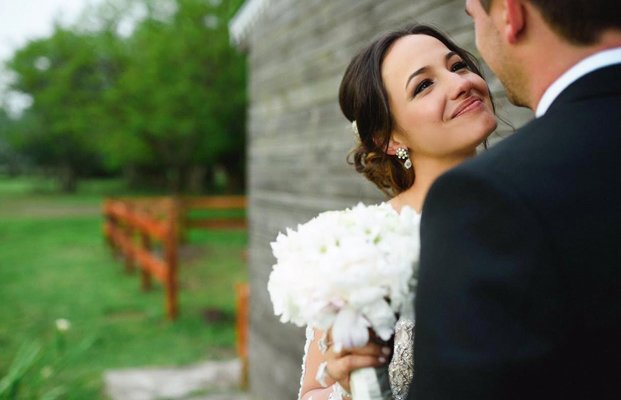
column 370, row 384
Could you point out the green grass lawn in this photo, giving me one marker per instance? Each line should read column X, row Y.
column 54, row 264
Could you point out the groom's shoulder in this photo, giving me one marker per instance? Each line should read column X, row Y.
column 507, row 155
column 575, row 126
column 525, row 150
column 510, row 165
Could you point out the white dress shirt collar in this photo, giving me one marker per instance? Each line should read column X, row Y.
column 589, row 64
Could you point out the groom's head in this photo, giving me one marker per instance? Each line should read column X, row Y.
column 578, row 21
column 528, row 43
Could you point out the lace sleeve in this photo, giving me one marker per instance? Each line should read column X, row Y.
column 400, row 370
column 309, row 338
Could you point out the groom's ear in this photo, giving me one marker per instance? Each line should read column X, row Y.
column 514, row 15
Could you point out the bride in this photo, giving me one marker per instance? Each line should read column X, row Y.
column 419, row 106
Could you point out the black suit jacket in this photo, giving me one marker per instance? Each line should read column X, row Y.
column 519, row 292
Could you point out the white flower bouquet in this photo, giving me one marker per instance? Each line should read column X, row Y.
column 348, row 271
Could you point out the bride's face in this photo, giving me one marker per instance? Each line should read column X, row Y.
column 441, row 109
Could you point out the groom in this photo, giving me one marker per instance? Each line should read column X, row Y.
column 520, row 277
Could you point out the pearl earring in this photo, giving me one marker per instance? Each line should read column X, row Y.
column 402, row 154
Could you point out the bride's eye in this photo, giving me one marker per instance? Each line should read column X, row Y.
column 422, row 86
column 459, row 65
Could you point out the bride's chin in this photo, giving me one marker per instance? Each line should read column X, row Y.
column 487, row 128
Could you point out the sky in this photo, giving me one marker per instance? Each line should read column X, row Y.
column 24, row 20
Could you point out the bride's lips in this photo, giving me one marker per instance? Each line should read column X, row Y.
column 467, row 105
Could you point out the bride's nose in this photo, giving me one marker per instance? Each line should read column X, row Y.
column 460, row 86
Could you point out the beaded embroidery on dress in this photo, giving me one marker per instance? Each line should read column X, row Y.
column 401, row 367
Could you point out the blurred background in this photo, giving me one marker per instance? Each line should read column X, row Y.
column 174, row 98
column 100, row 99
column 149, row 91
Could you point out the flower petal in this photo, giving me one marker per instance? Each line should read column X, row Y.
column 350, row 329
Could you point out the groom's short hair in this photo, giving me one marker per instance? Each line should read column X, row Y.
column 486, row 4
column 578, row 21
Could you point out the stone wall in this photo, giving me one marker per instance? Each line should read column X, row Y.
column 298, row 140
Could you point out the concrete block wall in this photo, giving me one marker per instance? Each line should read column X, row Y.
column 298, row 141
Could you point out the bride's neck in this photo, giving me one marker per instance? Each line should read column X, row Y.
column 427, row 171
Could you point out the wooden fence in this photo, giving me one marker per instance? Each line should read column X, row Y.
column 241, row 328
column 133, row 225
column 189, row 204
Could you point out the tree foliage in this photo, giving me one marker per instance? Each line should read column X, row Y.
column 166, row 100
column 65, row 76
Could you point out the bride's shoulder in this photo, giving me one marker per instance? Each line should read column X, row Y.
column 401, row 209
column 381, row 209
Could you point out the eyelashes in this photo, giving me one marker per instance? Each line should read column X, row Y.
column 422, row 86
column 426, row 83
column 458, row 66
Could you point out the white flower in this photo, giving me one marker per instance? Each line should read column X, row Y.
column 347, row 270
column 46, row 372
column 63, row 325
column 350, row 329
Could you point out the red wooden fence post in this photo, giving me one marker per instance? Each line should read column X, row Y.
column 243, row 299
column 107, row 228
column 129, row 234
column 170, row 257
column 144, row 272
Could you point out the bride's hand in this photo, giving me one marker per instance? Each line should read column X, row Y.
column 341, row 364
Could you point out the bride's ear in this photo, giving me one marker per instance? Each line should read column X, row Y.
column 393, row 145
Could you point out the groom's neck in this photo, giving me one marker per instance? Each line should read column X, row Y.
column 545, row 64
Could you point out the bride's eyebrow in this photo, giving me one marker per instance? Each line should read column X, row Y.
column 423, row 69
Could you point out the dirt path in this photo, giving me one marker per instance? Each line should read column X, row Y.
column 15, row 208
column 210, row 380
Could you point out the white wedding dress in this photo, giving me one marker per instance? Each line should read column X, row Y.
column 401, row 367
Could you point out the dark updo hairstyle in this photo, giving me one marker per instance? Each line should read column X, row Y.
column 363, row 98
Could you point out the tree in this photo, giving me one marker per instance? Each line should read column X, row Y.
column 165, row 98
column 66, row 76
column 181, row 99
column 10, row 161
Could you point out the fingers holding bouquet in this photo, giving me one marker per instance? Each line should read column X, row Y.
column 339, row 363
